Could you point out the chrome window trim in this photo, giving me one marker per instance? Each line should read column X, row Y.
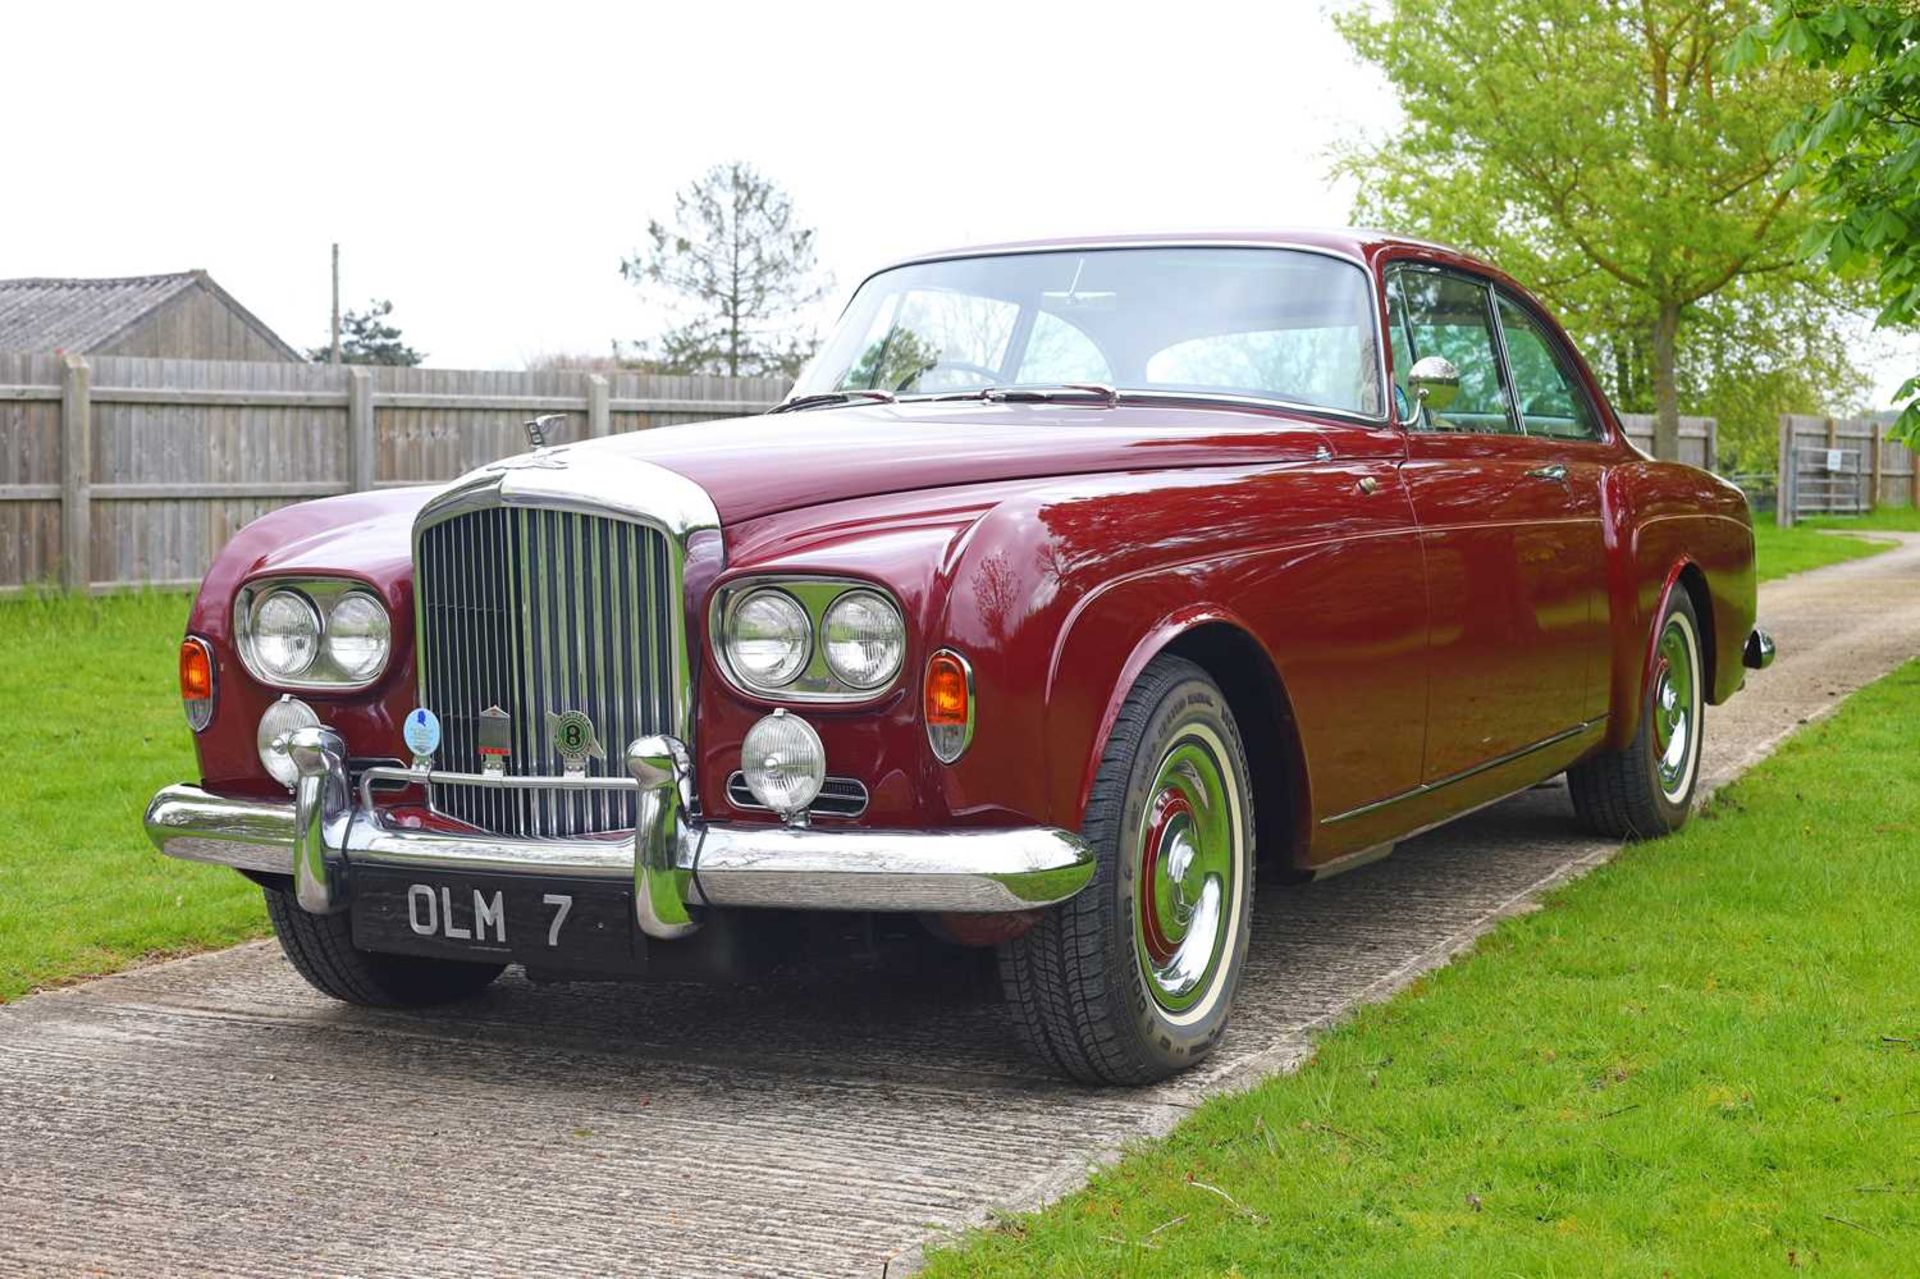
column 322, row 591
column 1383, row 418
column 815, row 593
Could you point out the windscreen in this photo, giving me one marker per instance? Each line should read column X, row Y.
column 1271, row 324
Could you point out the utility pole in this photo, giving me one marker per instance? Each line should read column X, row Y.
column 335, row 357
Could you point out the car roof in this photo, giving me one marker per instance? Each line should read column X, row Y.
column 1354, row 242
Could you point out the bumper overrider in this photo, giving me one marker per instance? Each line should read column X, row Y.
column 672, row 859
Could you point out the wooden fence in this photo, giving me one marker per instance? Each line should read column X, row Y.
column 124, row 470
column 1843, row 466
column 1699, row 438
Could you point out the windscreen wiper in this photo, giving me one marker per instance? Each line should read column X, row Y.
column 1038, row 394
column 824, row 398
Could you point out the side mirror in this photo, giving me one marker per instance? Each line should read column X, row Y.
column 1434, row 382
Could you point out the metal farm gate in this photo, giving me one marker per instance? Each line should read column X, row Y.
column 1842, row 466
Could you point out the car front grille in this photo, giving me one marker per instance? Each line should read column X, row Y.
column 538, row 612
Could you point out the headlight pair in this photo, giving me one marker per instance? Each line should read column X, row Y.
column 809, row 639
column 312, row 633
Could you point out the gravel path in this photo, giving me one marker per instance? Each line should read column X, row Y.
column 213, row 1116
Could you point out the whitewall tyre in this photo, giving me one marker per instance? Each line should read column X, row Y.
column 1133, row 979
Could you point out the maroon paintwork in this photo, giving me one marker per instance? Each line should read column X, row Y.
column 1372, row 644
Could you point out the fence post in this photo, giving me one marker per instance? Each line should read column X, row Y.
column 1783, row 485
column 76, row 474
column 599, row 415
column 1879, row 443
column 360, row 439
column 1713, row 445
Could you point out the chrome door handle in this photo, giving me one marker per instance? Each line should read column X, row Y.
column 1556, row 473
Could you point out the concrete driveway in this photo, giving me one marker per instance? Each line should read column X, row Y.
column 213, row 1116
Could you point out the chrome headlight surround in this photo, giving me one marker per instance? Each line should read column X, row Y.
column 816, row 681
column 322, row 596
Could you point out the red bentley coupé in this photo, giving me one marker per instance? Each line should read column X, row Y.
column 1072, row 580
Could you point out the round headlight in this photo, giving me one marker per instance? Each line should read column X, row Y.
column 358, row 635
column 784, row 763
column 864, row 638
column 768, row 639
column 278, row 720
column 286, row 633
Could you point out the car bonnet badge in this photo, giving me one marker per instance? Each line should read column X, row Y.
column 571, row 733
column 422, row 734
column 496, row 741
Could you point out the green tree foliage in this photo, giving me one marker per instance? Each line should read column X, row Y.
column 1859, row 152
column 736, row 258
column 367, row 338
column 1604, row 155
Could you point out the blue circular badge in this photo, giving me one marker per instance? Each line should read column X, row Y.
column 422, row 731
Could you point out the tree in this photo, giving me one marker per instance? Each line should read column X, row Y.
column 367, row 338
column 1602, row 153
column 1859, row 153
column 736, row 257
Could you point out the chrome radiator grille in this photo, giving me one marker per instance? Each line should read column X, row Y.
column 539, row 612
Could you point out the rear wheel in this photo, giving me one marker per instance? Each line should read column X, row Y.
column 321, row 949
column 1646, row 790
column 1133, row 979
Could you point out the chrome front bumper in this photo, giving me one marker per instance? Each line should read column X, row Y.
column 1757, row 653
column 672, row 860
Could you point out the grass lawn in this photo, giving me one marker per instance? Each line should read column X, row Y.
column 91, row 721
column 1781, row 551
column 1703, row 1058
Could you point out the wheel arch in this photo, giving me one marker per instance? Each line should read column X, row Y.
column 1227, row 651
column 1688, row 577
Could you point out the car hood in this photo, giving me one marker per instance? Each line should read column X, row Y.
column 763, row 465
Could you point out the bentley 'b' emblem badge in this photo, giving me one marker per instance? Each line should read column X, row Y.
column 571, row 733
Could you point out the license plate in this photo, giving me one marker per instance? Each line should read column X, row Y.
column 540, row 922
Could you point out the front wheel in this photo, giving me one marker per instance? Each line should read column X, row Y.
column 1646, row 790
column 1133, row 979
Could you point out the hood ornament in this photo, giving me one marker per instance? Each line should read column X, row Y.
column 537, row 428
column 543, row 457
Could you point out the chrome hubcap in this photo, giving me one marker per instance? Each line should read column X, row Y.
column 1188, row 859
column 1676, row 707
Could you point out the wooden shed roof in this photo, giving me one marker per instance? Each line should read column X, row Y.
column 55, row 314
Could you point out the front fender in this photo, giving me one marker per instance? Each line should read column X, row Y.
column 363, row 536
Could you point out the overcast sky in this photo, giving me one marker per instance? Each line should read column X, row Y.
column 485, row 167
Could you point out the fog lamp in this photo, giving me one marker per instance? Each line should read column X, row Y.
column 784, row 763
column 276, row 722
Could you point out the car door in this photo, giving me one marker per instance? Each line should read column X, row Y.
column 1510, row 524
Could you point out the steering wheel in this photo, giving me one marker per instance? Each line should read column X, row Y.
column 991, row 377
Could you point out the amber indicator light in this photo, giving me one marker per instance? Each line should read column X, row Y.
column 196, row 671
column 946, row 691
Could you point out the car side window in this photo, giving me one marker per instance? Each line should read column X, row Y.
column 1439, row 313
column 1551, row 400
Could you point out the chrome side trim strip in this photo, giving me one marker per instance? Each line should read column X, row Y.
column 1498, row 761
